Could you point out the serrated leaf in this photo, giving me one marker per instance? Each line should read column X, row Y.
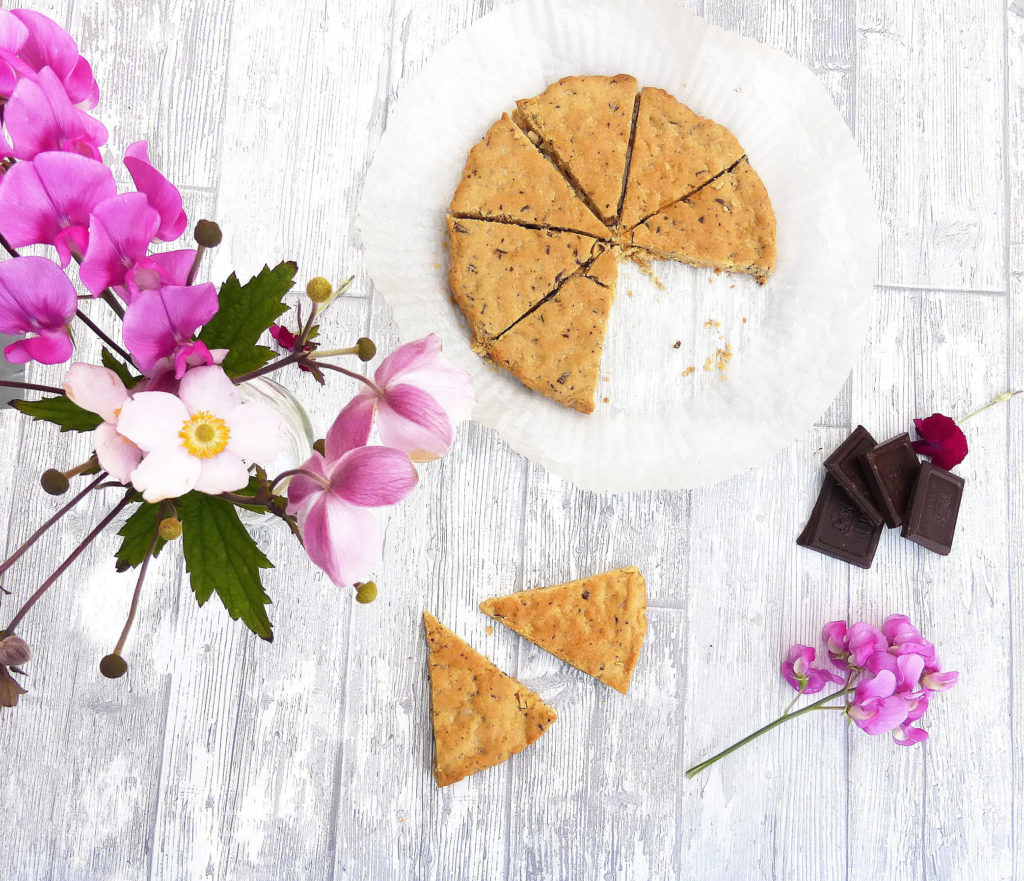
column 245, row 313
column 111, row 362
column 59, row 410
column 136, row 535
column 223, row 558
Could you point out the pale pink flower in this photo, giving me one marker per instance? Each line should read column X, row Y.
column 120, row 231
column 876, row 708
column 200, row 438
column 332, row 501
column 102, row 392
column 798, row 671
column 161, row 193
column 420, row 397
column 160, row 324
column 38, row 299
column 49, row 200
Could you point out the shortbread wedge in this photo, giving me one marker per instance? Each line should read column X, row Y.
column 597, row 624
column 675, row 151
column 556, row 349
column 499, row 271
column 507, row 178
column 728, row 225
column 583, row 123
column 480, row 715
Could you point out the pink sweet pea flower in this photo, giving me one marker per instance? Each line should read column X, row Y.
column 941, row 439
column 803, row 677
column 863, row 640
column 904, row 638
column 906, row 668
column 48, row 201
column 161, row 193
column 420, row 397
column 38, row 299
column 156, row 270
column 935, row 680
column 102, row 392
column 833, row 635
column 341, row 535
column 875, row 707
column 39, row 118
column 199, row 439
column 161, row 323
column 120, row 231
column 906, row 734
column 47, row 44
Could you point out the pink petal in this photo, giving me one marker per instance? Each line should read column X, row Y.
column 940, row 681
column 257, row 432
column 152, row 420
column 208, row 388
column 221, row 474
column 863, row 639
column 166, row 474
column 13, row 33
column 373, row 476
column 120, row 231
column 192, row 354
column 907, row 735
column 157, row 322
column 881, row 685
column 410, row 356
column 411, row 420
column 35, row 294
column 117, row 455
column 343, row 540
column 47, row 43
column 890, row 712
column 303, row 489
column 50, row 347
column 421, row 364
column 81, row 85
column 352, row 426
column 95, row 389
column 160, row 192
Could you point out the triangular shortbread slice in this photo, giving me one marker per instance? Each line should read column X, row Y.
column 507, row 178
column 729, row 224
column 597, row 624
column 556, row 349
column 584, row 123
column 499, row 271
column 675, row 151
column 480, row 715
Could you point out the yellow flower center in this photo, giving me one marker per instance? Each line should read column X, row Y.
column 204, row 435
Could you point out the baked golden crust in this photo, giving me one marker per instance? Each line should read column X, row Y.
column 507, row 178
column 729, row 224
column 597, row 624
column 675, row 151
column 584, row 124
column 556, row 349
column 480, row 715
column 499, row 271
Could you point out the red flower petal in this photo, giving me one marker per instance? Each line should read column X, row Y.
column 284, row 337
column 941, row 439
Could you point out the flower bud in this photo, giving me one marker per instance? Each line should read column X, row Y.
column 113, row 666
column 319, row 289
column 367, row 348
column 170, row 528
column 366, row 592
column 320, row 446
column 54, row 482
column 207, row 234
column 14, row 651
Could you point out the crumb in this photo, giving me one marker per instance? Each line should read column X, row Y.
column 605, row 400
column 744, row 320
column 709, row 363
column 630, row 293
column 607, row 378
column 643, row 261
column 710, row 280
column 712, row 323
column 444, row 245
column 718, row 271
column 689, row 370
column 435, row 265
column 489, row 628
column 731, row 286
column 677, row 344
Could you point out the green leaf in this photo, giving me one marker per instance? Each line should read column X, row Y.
column 60, row 410
column 222, row 558
column 245, row 313
column 137, row 533
column 119, row 367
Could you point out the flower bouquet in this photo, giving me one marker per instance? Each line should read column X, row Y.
column 178, row 432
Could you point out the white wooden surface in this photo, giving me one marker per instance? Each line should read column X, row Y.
column 222, row 757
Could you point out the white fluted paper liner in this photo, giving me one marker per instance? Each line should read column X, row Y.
column 792, row 343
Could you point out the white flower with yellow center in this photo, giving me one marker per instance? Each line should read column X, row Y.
column 200, row 438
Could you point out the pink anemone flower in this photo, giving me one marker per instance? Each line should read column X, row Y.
column 199, row 439
column 102, row 392
column 38, row 299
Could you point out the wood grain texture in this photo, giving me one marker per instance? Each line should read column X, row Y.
column 221, row 757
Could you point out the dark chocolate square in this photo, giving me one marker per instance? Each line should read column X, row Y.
column 845, row 466
column 934, row 507
column 890, row 470
column 838, row 529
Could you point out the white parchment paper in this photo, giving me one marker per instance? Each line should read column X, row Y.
column 788, row 346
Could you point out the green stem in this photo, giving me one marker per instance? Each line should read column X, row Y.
column 998, row 399
column 331, row 353
column 707, row 763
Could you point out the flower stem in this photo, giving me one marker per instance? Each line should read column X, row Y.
column 377, row 389
column 331, row 353
column 63, row 567
column 135, row 596
column 7, row 246
column 88, row 322
column 998, row 399
column 707, row 763
column 194, row 268
column 291, row 472
column 108, row 297
column 31, row 386
column 35, row 536
column 293, row 358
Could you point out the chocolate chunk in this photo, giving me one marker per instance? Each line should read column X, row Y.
column 838, row 529
column 891, row 469
column 844, row 465
column 934, row 506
